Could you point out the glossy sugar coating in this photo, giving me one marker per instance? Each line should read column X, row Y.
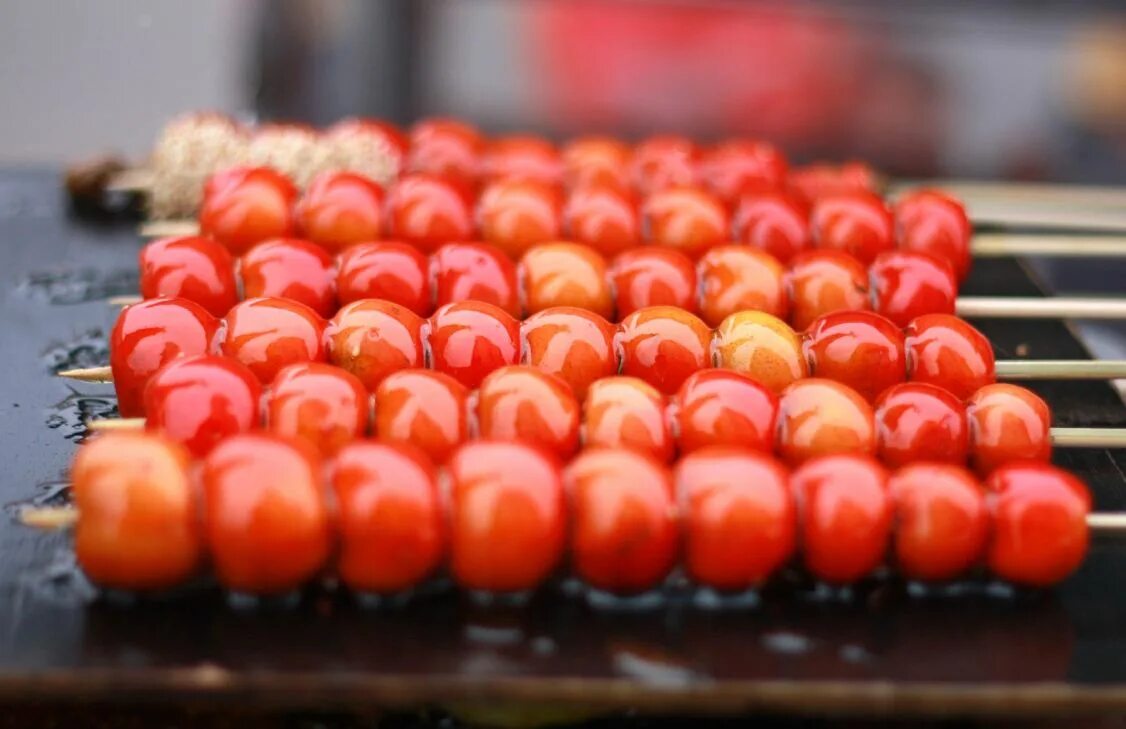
column 445, row 147
column 652, row 276
column 508, row 521
column 521, row 157
column 932, row 222
column 148, row 335
column 1007, row 423
column 860, row 349
column 190, row 267
column 565, row 274
column 688, row 219
column 739, row 517
column 625, row 412
column 573, row 344
column 339, row 209
column 945, row 351
column 772, row 221
column 596, row 160
column 624, row 535
column 267, row 334
column 372, row 339
column 139, row 526
column 735, row 167
column 720, row 407
column 520, row 403
column 762, row 347
column 905, row 285
column 920, row 422
column 390, row 518
column 427, row 211
column 425, row 408
column 663, row 345
column 819, row 418
column 857, row 223
column 515, row 214
column 265, row 517
column 389, row 270
column 815, row 181
column 474, row 272
column 845, row 516
column 290, row 268
column 323, row 405
column 736, row 278
column 201, row 400
column 941, row 521
column 469, row 340
column 604, row 216
column 822, row 282
column 243, row 206
column 663, row 160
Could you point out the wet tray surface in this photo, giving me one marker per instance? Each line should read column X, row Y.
column 883, row 650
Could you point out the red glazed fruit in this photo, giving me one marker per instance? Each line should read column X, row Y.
column 426, row 409
column 932, row 222
column 515, row 214
column 1007, row 423
column 906, row 285
column 340, row 209
column 822, row 282
column 372, row 339
column 664, row 160
column 508, row 520
column 269, row 333
column 857, row 223
column 573, row 344
column 427, row 211
column 644, row 277
column 813, row 182
column 663, row 345
column 736, row 166
column 857, row 348
column 321, row 404
column 689, row 219
column 739, row 516
column 945, row 351
column 521, row 157
column 1039, row 523
column 565, row 274
column 623, row 533
column 718, row 407
column 202, row 400
column 596, row 160
column 288, row 268
column 624, row 412
column 819, row 418
column 736, row 278
column 140, row 512
column 392, row 271
column 474, row 272
column 942, row 522
column 267, row 523
column 471, row 339
column 194, row 268
column 148, row 335
column 390, row 517
column 774, row 222
column 445, row 147
column 243, row 206
column 920, row 422
column 604, row 217
column 845, row 516
column 520, row 403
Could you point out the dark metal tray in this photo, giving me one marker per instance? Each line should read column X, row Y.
column 883, row 651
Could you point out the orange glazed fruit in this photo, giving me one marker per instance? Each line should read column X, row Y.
column 625, row 412
column 845, row 516
column 820, row 417
column 288, row 268
column 719, row 407
column 469, row 340
column 624, row 535
column 339, row 209
column 508, row 517
column 1007, row 423
column 906, row 285
column 772, row 221
column 424, row 408
column 736, row 166
column 604, row 217
column 520, row 403
column 652, row 276
column 857, row 223
column 243, row 206
column 139, row 525
column 945, row 351
column 920, row 422
column 942, row 521
column 266, row 520
column 664, row 160
column 596, row 160
column 390, row 517
column 688, row 219
column 572, row 344
column 148, row 335
column 372, row 338
column 515, row 214
column 523, row 157
column 736, row 278
column 445, row 147
column 739, row 517
column 427, row 211
column 195, row 268
column 663, row 345
column 762, row 347
column 388, row 270
column 321, row 404
column 269, row 333
column 822, row 282
column 565, row 274
column 856, row 348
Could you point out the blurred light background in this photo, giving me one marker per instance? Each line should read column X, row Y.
column 984, row 89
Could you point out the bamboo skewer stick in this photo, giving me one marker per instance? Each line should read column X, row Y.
column 1050, row 307
column 1021, row 193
